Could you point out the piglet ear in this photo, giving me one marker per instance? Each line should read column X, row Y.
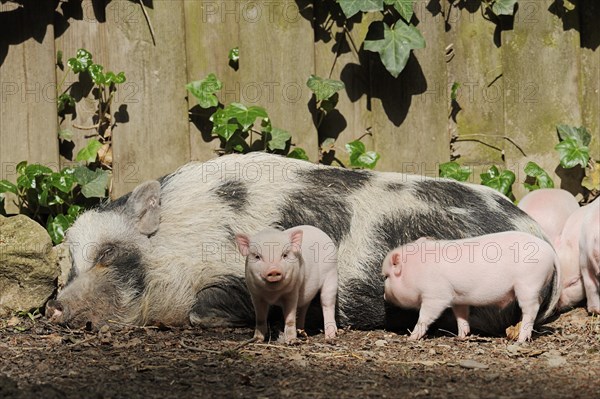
column 296, row 240
column 396, row 263
column 144, row 206
column 243, row 243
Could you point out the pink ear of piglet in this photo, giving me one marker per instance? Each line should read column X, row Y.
column 296, row 240
column 396, row 261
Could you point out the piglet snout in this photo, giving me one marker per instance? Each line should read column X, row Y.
column 273, row 276
column 54, row 311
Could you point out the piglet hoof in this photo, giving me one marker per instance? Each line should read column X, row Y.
column 594, row 311
column 414, row 337
column 330, row 332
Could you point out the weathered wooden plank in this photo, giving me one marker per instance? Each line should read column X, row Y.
column 28, row 128
column 410, row 128
column 475, row 64
column 589, row 11
column 541, row 90
column 156, row 139
column 352, row 117
column 211, row 29
column 276, row 59
column 88, row 33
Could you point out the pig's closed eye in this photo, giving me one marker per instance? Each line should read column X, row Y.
column 105, row 255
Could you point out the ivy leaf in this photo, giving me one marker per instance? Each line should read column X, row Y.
column 95, row 72
column 221, row 124
column 64, row 100
column 351, row 7
column 65, row 135
column 360, row 157
column 116, row 79
column 56, row 227
column 452, row 170
column 298, row 153
column 7, row 187
column 572, row 152
column 324, row 88
column 245, row 116
column 501, row 182
column 63, row 182
column 204, row 90
column 504, row 7
column 234, row 54
column 580, row 134
column 73, row 212
column 454, row 91
column 93, row 183
column 278, row 139
column 542, row 178
column 59, row 60
column 81, row 62
column 89, row 152
column 404, row 7
column 394, row 48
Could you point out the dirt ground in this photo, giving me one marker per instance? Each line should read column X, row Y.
column 40, row 360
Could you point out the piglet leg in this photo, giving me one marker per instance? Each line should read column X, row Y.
column 430, row 311
column 461, row 312
column 289, row 313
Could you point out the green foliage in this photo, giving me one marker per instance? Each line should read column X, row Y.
column 298, row 153
column 352, row 7
column 504, row 7
column 55, row 199
column 393, row 43
column 542, row 178
column 573, row 149
column 360, row 157
column 234, row 55
column 395, row 46
column 452, row 170
column 324, row 89
column 501, row 181
column 204, row 90
column 404, row 7
column 89, row 152
column 235, row 123
column 454, row 91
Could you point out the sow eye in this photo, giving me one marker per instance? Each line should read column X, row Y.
column 256, row 257
column 285, row 255
column 105, row 254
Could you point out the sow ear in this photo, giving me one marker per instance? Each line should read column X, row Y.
column 396, row 263
column 144, row 206
column 243, row 243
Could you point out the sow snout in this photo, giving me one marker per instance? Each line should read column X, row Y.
column 55, row 311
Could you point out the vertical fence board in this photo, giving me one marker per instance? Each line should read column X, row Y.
column 276, row 59
column 590, row 71
column 212, row 29
column 156, row 138
column 352, row 118
column 28, row 128
column 410, row 121
column 90, row 34
column 475, row 64
column 541, row 74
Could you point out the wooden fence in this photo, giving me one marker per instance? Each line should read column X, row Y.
column 518, row 80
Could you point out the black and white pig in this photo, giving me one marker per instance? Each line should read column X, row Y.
column 166, row 252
